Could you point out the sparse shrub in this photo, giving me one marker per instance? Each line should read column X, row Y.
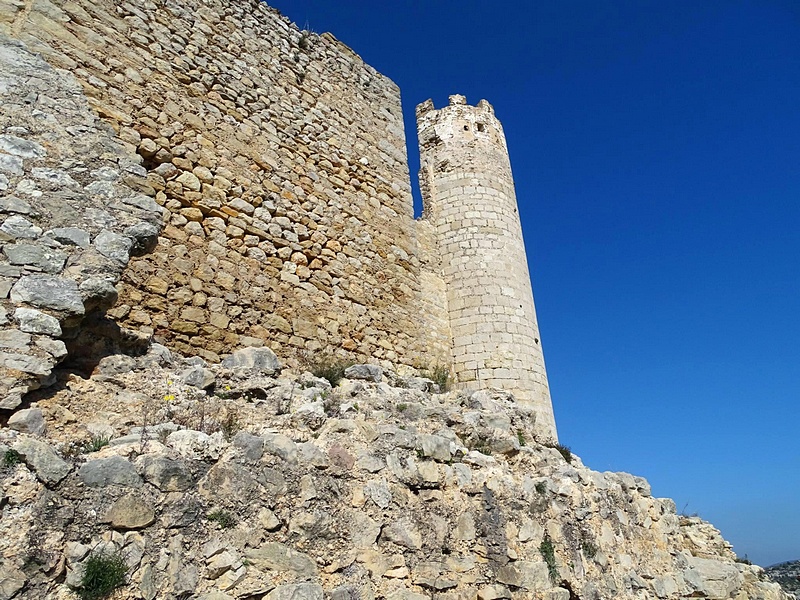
column 589, row 549
column 95, row 444
column 548, row 553
column 481, row 444
column 402, row 407
column 103, row 573
column 303, row 41
column 563, row 450
column 223, row 518
column 230, row 425
column 744, row 561
column 11, row 458
column 440, row 375
column 541, row 487
column 521, row 437
column 332, row 370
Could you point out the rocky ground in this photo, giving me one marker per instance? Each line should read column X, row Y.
column 787, row 574
column 241, row 481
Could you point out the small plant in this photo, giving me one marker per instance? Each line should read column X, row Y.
column 563, row 450
column 548, row 553
column 330, row 369
column 482, row 446
column 440, row 375
column 303, row 41
column 521, row 437
column 589, row 549
column 11, row 458
column 540, row 487
column 103, row 573
column 223, row 518
column 95, row 444
column 230, row 425
column 402, row 407
column 744, row 561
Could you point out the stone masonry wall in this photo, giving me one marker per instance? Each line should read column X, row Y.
column 71, row 214
column 280, row 159
column 468, row 193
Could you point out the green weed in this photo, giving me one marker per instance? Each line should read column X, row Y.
column 102, row 575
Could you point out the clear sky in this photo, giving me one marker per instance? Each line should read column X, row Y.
column 656, row 153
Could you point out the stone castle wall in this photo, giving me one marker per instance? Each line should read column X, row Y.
column 468, row 193
column 280, row 159
column 71, row 215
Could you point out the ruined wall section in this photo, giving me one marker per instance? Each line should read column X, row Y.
column 280, row 158
column 71, row 214
column 469, row 198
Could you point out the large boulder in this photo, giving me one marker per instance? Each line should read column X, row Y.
column 257, row 359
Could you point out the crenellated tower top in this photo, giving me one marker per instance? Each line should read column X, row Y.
column 463, row 132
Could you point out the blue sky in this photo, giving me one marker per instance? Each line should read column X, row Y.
column 656, row 153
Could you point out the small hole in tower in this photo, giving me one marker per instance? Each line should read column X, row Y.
column 480, row 127
column 466, row 127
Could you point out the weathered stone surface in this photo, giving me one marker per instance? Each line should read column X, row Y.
column 116, row 364
column 279, row 557
column 114, row 470
column 365, row 372
column 34, row 321
column 114, row 246
column 98, row 292
column 17, row 146
column 532, row 576
column 42, row 459
column 712, row 579
column 435, row 447
column 144, row 236
column 260, row 359
column 130, row 512
column 280, row 445
column 42, row 258
column 20, row 228
column 196, row 444
column 404, row 533
column 74, row 236
column 494, row 592
column 30, row 420
column 296, row 591
column 263, row 510
column 48, row 291
column 14, row 338
column 166, row 474
column 198, row 377
column 25, row 363
column 12, row 204
column 12, row 580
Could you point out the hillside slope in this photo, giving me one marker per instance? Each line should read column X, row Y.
column 278, row 486
column 787, row 574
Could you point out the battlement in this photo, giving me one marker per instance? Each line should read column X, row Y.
column 458, row 123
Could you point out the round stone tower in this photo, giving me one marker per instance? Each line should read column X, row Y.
column 468, row 195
